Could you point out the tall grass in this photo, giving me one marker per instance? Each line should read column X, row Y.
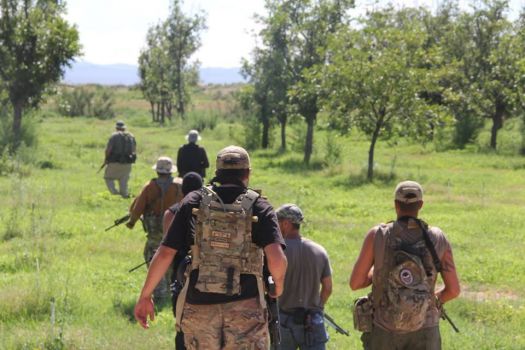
column 55, row 254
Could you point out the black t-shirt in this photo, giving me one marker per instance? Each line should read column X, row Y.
column 192, row 157
column 182, row 232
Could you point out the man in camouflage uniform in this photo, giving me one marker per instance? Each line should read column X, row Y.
column 156, row 196
column 221, row 306
column 401, row 260
column 119, row 155
column 307, row 285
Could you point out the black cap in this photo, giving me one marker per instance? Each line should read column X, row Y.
column 191, row 182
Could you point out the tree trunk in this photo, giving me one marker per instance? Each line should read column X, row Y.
column 17, row 125
column 309, row 144
column 497, row 123
column 265, row 142
column 152, row 106
column 283, row 134
column 375, row 135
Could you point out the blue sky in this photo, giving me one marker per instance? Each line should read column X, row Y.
column 114, row 31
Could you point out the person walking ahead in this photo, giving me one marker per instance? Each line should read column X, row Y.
column 401, row 260
column 119, row 155
column 228, row 227
column 307, row 285
column 156, row 196
column 192, row 157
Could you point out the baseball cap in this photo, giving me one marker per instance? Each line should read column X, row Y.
column 191, row 182
column 164, row 165
column 120, row 124
column 408, row 192
column 290, row 212
column 233, row 157
column 193, row 136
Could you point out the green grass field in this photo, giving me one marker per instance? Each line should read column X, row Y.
column 64, row 282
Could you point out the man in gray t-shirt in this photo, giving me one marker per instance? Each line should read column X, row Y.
column 307, row 285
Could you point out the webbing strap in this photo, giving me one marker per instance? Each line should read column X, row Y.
column 181, row 300
column 249, row 199
column 430, row 245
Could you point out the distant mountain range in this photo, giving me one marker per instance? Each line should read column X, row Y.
column 127, row 74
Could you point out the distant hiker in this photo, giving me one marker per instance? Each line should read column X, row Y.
column 191, row 182
column 230, row 229
column 307, row 285
column 401, row 260
column 156, row 196
column 120, row 154
column 192, row 157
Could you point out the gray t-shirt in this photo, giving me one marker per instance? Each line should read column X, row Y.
column 308, row 264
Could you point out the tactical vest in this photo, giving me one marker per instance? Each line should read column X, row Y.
column 223, row 248
column 122, row 151
column 404, row 277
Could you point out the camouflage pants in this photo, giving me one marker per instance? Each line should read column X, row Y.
column 423, row 339
column 239, row 325
column 154, row 237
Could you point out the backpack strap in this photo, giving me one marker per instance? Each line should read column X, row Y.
column 430, row 246
column 249, row 200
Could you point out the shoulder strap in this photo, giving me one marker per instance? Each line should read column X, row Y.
column 430, row 245
column 249, row 200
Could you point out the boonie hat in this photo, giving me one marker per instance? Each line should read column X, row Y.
column 193, row 136
column 164, row 165
column 408, row 192
column 120, row 124
column 290, row 212
column 233, row 157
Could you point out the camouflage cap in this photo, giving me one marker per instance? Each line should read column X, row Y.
column 164, row 165
column 408, row 192
column 120, row 124
column 290, row 212
column 233, row 157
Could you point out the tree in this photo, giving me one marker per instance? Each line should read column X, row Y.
column 491, row 63
column 375, row 80
column 164, row 67
column 312, row 24
column 36, row 43
column 294, row 40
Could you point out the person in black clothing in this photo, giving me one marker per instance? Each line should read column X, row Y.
column 192, row 157
column 242, row 320
column 191, row 182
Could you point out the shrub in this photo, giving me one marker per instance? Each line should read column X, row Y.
column 84, row 101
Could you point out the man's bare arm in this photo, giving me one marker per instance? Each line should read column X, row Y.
column 361, row 276
column 277, row 264
column 326, row 289
column 450, row 278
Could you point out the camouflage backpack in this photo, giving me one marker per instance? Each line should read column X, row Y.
column 223, row 248
column 123, row 151
column 404, row 278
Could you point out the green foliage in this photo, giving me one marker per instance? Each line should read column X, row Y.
column 36, row 44
column 164, row 68
column 27, row 134
column 62, row 251
column 86, row 101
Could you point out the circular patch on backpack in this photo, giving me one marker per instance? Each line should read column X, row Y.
column 406, row 277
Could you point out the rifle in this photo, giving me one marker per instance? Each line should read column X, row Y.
column 330, row 321
column 136, row 267
column 273, row 319
column 118, row 222
column 102, row 166
column 445, row 317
